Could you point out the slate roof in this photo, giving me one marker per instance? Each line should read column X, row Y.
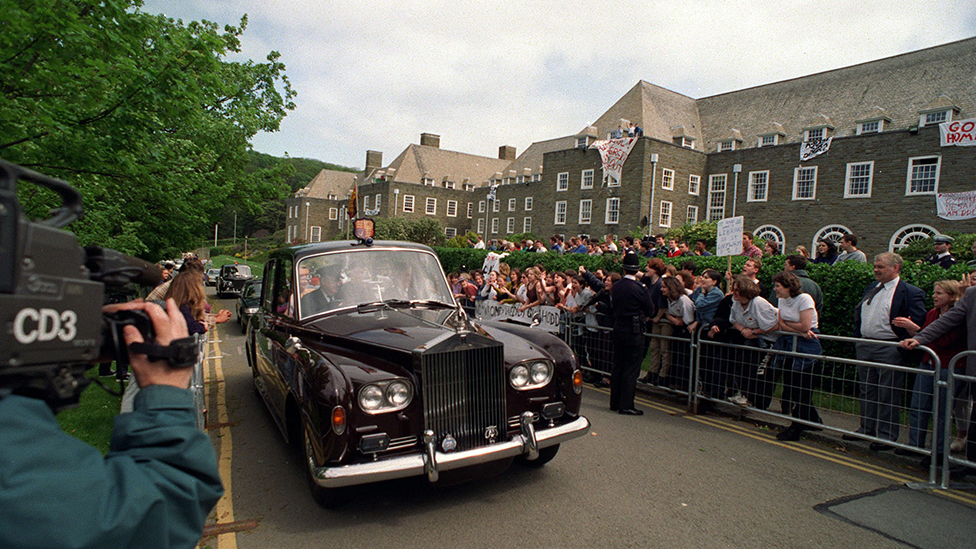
column 328, row 182
column 658, row 111
column 418, row 161
column 531, row 158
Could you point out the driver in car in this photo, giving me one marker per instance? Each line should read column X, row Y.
column 325, row 297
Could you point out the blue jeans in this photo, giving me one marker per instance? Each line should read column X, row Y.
column 920, row 410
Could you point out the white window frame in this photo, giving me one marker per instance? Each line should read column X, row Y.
column 315, row 233
column 664, row 215
column 692, row 216
column 938, row 171
column 495, row 207
column 612, row 215
column 365, row 201
column 470, row 209
column 428, row 181
column 586, row 179
column 796, row 180
column 848, row 179
column 585, row 211
column 527, row 224
column 611, row 182
column 713, row 192
column 450, row 232
column 481, row 225
column 694, row 184
column 863, row 129
column 924, row 118
column 753, row 176
column 511, row 204
column 408, row 198
column 807, row 134
column 762, row 140
column 528, row 204
column 667, row 179
column 726, row 145
column 510, row 225
column 560, row 213
column 430, row 208
column 481, row 206
column 582, row 142
column 494, row 225
column 688, row 143
column 562, row 181
column 452, row 208
column 333, row 214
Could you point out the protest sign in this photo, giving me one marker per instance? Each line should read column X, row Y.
column 729, row 241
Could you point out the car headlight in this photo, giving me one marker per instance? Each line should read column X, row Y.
column 385, row 396
column 531, row 374
column 250, row 310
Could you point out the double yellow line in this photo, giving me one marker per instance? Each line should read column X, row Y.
column 746, row 431
column 225, row 506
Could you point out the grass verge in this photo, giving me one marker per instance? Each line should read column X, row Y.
column 93, row 419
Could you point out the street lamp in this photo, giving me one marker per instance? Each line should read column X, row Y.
column 736, row 169
column 235, row 227
column 307, row 204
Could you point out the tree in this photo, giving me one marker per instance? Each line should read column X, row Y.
column 143, row 114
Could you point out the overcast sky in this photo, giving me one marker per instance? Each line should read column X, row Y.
column 375, row 75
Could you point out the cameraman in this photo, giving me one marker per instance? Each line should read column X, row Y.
column 155, row 487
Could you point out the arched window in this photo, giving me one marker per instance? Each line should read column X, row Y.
column 831, row 232
column 908, row 234
column 771, row 232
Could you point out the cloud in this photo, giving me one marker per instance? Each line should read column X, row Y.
column 374, row 75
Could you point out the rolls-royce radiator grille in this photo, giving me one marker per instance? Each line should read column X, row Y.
column 464, row 393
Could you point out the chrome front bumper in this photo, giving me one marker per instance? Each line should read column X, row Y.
column 431, row 461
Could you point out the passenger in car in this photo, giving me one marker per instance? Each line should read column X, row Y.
column 325, row 297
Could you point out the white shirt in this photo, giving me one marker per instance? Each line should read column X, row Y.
column 790, row 308
column 758, row 314
column 682, row 308
column 876, row 317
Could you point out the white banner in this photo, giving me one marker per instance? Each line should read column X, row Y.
column 956, row 206
column 613, row 153
column 729, row 241
column 814, row 147
column 542, row 316
column 961, row 133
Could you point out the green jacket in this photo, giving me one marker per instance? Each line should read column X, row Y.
column 155, row 487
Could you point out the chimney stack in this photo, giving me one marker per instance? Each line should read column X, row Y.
column 374, row 160
column 430, row 140
column 506, row 152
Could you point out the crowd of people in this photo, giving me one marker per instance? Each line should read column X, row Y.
column 668, row 303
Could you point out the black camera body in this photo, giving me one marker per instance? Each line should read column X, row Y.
column 51, row 295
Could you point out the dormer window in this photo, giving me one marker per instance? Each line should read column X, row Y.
column 870, row 126
column 448, row 184
column 468, row 187
column 581, row 142
column 429, row 181
column 815, row 133
column 935, row 117
column 332, row 196
column 769, row 140
column 687, row 143
column 520, row 179
column 727, row 145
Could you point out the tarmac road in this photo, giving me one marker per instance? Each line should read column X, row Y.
column 665, row 479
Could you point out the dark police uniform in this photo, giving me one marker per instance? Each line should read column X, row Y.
column 631, row 305
column 945, row 261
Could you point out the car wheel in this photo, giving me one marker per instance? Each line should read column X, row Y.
column 545, row 456
column 325, row 497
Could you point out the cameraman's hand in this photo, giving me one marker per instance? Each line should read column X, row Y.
column 168, row 325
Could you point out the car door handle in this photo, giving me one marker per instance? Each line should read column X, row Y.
column 293, row 345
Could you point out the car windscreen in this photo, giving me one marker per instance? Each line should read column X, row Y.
column 236, row 270
column 346, row 279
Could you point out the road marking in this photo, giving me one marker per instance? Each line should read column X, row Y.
column 877, row 470
column 225, row 506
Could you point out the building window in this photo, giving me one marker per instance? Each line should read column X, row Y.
column 692, row 217
column 805, row 183
column 332, row 196
column 450, row 232
column 528, row 203
column 814, row 133
column 664, row 220
column 431, row 206
column 769, row 140
column 481, row 206
column 526, row 224
column 938, row 117
column 510, row 225
column 758, row 186
column 716, row 197
column 495, row 206
column 333, row 214
column 448, row 184
column 667, row 180
column 585, row 211
column 520, row 179
column 909, row 234
column 365, row 201
column 611, row 181
column 377, row 200
column 613, row 211
column 833, row 233
column 560, row 213
column 316, row 234
column 694, row 184
column 923, row 175
column 537, row 177
column 511, row 204
column 586, row 182
column 408, row 203
column 452, row 208
column 871, row 126
column 562, row 181
column 687, row 143
column 481, row 225
column 771, row 232
column 470, row 209
column 858, row 183
column 494, row 225
column 581, row 142
column 429, row 181
column 727, row 145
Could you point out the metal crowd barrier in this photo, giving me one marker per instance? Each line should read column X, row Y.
column 831, row 387
column 952, row 380
column 196, row 380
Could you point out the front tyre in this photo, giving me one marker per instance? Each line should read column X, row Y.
column 545, row 456
column 325, row 497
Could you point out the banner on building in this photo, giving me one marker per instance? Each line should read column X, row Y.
column 729, row 238
column 814, row 147
column 613, row 154
column 959, row 133
column 956, row 206
column 541, row 316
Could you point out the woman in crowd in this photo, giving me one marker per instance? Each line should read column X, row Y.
column 754, row 318
column 826, row 252
column 456, row 287
column 802, row 250
column 660, row 348
column 534, row 293
column 706, row 298
column 187, row 290
column 513, row 286
column 797, row 315
column 944, row 295
column 560, row 289
column 680, row 313
column 771, row 248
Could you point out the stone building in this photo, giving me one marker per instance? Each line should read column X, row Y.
column 737, row 152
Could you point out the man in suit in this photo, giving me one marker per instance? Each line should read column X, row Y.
column 962, row 314
column 881, row 388
column 323, row 298
column 631, row 306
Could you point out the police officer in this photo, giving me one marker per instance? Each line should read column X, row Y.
column 631, row 306
column 942, row 257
